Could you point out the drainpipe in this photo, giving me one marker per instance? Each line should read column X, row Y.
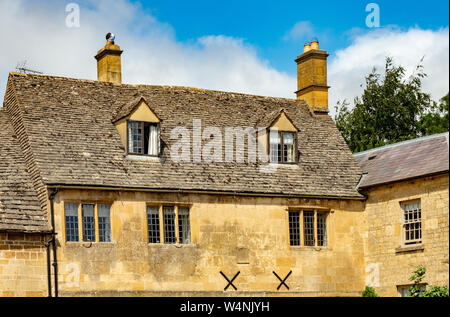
column 53, row 241
column 49, row 270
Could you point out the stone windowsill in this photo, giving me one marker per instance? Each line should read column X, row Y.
column 169, row 245
column 283, row 165
column 143, row 158
column 307, row 248
column 409, row 248
column 90, row 244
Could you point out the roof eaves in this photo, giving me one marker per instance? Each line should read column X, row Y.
column 357, row 195
column 402, row 179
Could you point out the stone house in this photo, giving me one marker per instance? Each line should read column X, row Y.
column 110, row 189
column 407, row 210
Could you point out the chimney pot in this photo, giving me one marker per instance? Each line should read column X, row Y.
column 306, row 47
column 315, row 44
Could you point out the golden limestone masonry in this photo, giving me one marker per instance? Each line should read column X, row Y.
column 312, row 77
column 110, row 189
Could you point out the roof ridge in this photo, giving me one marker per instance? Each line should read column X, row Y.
column 437, row 135
column 15, row 74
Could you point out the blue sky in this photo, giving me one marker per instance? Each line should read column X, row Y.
column 240, row 46
column 264, row 23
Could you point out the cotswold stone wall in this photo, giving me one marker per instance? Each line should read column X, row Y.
column 388, row 265
column 234, row 233
column 23, row 265
column 229, row 234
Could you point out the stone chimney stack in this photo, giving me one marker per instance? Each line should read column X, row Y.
column 109, row 65
column 312, row 77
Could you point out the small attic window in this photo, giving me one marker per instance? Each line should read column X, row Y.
column 372, row 157
column 282, row 145
column 143, row 138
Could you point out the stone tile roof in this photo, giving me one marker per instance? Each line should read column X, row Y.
column 410, row 159
column 67, row 132
column 74, row 142
column 19, row 206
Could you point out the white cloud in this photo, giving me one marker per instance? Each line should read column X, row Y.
column 35, row 31
column 348, row 67
column 300, row 30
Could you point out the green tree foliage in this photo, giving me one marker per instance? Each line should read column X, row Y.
column 391, row 109
column 436, row 121
column 417, row 278
column 419, row 289
column 369, row 292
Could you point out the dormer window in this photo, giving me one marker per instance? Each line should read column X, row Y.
column 282, row 146
column 139, row 128
column 282, row 138
column 143, row 138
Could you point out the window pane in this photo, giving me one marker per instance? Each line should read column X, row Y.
column 184, row 227
column 71, row 217
column 135, row 137
column 403, row 291
column 288, row 147
column 153, row 224
column 275, row 146
column 321, row 229
column 169, row 224
column 294, row 228
column 413, row 223
column 308, row 227
column 88, row 223
column 104, row 223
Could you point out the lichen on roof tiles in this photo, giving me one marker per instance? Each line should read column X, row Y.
column 64, row 118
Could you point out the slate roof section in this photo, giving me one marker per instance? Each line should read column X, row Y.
column 405, row 160
column 19, row 206
column 74, row 142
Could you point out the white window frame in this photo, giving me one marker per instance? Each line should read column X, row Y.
column 142, row 125
column 275, row 153
column 408, row 207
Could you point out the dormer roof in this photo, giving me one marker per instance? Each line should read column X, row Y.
column 126, row 109
column 283, row 119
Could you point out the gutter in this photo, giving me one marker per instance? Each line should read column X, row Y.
column 407, row 179
column 187, row 191
column 363, row 175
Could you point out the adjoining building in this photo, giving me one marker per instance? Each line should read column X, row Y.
column 110, row 189
column 407, row 211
